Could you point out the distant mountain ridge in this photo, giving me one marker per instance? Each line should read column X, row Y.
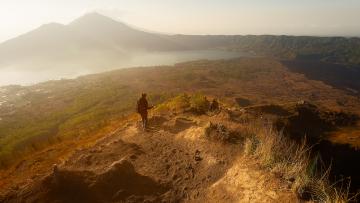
column 84, row 36
column 94, row 27
column 95, row 37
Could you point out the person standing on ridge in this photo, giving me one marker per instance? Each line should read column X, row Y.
column 214, row 106
column 142, row 109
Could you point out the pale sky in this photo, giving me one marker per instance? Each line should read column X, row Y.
column 292, row 17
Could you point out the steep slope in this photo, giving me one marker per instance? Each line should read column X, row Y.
column 330, row 49
column 173, row 161
column 226, row 155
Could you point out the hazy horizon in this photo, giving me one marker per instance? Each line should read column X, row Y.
column 229, row 17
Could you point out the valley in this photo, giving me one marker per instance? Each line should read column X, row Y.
column 80, row 112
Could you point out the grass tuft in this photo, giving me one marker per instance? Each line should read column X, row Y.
column 292, row 162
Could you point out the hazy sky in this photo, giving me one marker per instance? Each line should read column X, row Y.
column 295, row 17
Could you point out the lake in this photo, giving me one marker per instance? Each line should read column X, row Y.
column 71, row 69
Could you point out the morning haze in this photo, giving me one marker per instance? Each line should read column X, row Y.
column 45, row 40
column 179, row 101
column 307, row 17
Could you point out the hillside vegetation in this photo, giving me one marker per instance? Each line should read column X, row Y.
column 48, row 112
column 188, row 154
column 329, row 49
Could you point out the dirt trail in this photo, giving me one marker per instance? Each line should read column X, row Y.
column 172, row 162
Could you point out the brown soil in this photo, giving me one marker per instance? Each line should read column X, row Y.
column 174, row 161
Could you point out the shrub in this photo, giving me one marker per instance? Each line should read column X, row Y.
column 196, row 103
column 199, row 103
column 180, row 102
column 220, row 132
column 176, row 104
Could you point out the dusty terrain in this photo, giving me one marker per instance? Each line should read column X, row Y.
column 171, row 162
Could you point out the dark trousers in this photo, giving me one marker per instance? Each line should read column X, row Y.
column 144, row 119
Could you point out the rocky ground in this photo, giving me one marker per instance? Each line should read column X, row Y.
column 173, row 161
column 186, row 157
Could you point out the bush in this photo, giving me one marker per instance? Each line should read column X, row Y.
column 219, row 132
column 196, row 103
column 199, row 103
column 180, row 102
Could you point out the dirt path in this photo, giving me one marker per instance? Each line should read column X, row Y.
column 172, row 162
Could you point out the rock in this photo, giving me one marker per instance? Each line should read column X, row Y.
column 197, row 156
column 55, row 169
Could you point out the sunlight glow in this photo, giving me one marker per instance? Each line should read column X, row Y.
column 319, row 17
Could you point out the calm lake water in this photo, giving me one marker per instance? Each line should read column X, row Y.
column 22, row 76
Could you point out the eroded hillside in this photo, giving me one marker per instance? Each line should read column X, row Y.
column 227, row 155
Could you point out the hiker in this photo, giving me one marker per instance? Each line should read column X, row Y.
column 214, row 105
column 142, row 109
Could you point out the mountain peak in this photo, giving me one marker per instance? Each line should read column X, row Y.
column 93, row 15
column 52, row 25
column 94, row 18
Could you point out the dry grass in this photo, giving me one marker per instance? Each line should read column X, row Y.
column 292, row 162
column 196, row 103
